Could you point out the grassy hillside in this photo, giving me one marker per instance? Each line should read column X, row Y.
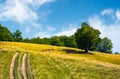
column 52, row 62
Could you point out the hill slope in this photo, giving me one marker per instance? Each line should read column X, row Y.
column 52, row 62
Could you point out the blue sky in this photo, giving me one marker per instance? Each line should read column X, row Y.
column 46, row 18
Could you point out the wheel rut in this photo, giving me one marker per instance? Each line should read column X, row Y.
column 12, row 66
column 22, row 67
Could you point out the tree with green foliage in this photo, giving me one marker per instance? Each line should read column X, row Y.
column 68, row 41
column 87, row 37
column 27, row 40
column 72, row 41
column 105, row 45
column 45, row 41
column 5, row 34
column 63, row 40
column 17, row 35
column 55, row 41
column 116, row 53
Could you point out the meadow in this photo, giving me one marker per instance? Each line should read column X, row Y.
column 53, row 62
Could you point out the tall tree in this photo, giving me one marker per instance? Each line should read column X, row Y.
column 17, row 36
column 5, row 34
column 87, row 37
column 105, row 45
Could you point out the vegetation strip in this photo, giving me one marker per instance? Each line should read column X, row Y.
column 30, row 67
column 24, row 66
column 19, row 66
column 12, row 66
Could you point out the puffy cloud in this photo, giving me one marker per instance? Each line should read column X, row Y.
column 22, row 11
column 67, row 32
column 110, row 30
column 16, row 11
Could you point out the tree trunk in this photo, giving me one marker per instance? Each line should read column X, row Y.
column 86, row 49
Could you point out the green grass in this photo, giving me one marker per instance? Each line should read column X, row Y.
column 5, row 60
column 52, row 62
column 63, row 68
column 20, row 64
column 28, row 68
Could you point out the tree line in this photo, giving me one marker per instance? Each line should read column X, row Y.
column 86, row 38
column 6, row 35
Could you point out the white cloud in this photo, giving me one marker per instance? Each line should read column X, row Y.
column 118, row 14
column 44, row 14
column 50, row 29
column 43, row 34
column 22, row 11
column 27, row 30
column 47, row 32
column 111, row 31
column 107, row 12
column 37, row 25
column 16, row 11
column 68, row 29
column 96, row 22
column 36, row 2
column 67, row 32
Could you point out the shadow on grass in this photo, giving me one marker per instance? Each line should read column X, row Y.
column 48, row 50
column 72, row 51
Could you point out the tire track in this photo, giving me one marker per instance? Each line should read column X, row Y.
column 30, row 67
column 23, row 68
column 24, row 65
column 12, row 66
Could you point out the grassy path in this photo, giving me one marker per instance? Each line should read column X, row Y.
column 12, row 66
column 19, row 66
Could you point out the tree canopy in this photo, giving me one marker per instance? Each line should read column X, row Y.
column 87, row 37
column 17, row 36
column 5, row 34
column 105, row 45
